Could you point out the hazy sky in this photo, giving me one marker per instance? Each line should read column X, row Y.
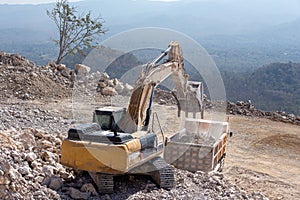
column 48, row 1
column 28, row 1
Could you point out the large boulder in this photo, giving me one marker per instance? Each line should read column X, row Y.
column 82, row 70
column 109, row 91
column 119, row 87
column 127, row 89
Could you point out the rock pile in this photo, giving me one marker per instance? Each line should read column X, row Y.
column 14, row 60
column 29, row 163
column 30, row 168
column 111, row 87
column 22, row 79
column 197, row 185
column 248, row 109
column 164, row 97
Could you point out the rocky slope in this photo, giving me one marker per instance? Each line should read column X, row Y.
column 31, row 133
column 30, row 169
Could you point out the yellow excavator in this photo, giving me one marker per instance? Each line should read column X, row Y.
column 123, row 141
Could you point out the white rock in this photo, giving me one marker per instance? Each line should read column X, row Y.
column 67, row 176
column 36, row 133
column 39, row 179
column 49, row 156
column 45, row 144
column 119, row 87
column 127, row 89
column 30, row 157
column 82, row 70
column 14, row 174
column 111, row 83
column 25, row 170
column 39, row 194
column 104, row 77
column 48, row 170
column 109, row 91
column 35, row 164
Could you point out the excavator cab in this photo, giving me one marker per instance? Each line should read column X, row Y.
column 108, row 118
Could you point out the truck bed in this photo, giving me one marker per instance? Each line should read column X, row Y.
column 186, row 150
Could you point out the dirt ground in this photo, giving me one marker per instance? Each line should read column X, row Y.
column 262, row 155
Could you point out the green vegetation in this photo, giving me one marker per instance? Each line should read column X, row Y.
column 76, row 31
column 272, row 87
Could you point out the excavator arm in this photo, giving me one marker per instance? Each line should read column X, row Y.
column 189, row 95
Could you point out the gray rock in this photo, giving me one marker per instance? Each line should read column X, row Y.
column 46, row 181
column 89, row 188
column 76, row 194
column 55, row 183
column 64, row 73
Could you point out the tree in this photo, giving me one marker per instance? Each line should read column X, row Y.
column 76, row 30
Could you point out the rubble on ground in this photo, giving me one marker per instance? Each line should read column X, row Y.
column 30, row 169
column 19, row 114
column 248, row 109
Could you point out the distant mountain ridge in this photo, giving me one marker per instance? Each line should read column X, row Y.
column 274, row 87
column 259, row 31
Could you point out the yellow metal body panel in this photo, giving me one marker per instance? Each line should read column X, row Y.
column 99, row 157
column 133, row 145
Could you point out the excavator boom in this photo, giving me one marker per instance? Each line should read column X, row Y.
column 189, row 95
